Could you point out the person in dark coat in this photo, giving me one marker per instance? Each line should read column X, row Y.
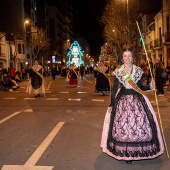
column 82, row 71
column 53, row 72
column 159, row 80
column 102, row 82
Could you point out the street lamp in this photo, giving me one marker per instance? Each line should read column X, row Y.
column 127, row 4
column 25, row 29
column 25, row 36
column 127, row 11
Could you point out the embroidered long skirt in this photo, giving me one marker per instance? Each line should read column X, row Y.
column 102, row 84
column 131, row 130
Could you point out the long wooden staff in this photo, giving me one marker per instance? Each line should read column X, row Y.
column 155, row 92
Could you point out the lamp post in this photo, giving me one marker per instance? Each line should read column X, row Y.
column 127, row 11
column 127, row 4
column 25, row 37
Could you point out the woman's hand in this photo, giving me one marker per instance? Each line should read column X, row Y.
column 109, row 109
column 152, row 84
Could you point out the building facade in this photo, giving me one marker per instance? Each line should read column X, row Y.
column 157, row 34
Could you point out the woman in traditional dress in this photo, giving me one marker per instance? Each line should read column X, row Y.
column 72, row 76
column 102, row 82
column 36, row 81
column 131, row 131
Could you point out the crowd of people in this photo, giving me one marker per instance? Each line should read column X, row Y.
column 9, row 80
column 102, row 85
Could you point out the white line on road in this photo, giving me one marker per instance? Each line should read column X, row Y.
column 14, row 114
column 97, row 100
column 22, row 167
column 10, row 98
column 30, row 164
column 51, row 98
column 81, row 92
column 28, row 110
column 64, row 92
column 40, row 150
column 48, row 92
column 74, row 99
column 90, row 82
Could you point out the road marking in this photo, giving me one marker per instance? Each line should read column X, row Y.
column 51, row 98
column 28, row 110
column 30, row 98
column 30, row 164
column 90, row 82
column 49, row 85
column 10, row 98
column 48, row 92
column 74, row 99
column 64, row 92
column 14, row 114
column 97, row 100
column 22, row 167
column 81, row 92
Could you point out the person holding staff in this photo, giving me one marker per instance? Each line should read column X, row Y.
column 131, row 131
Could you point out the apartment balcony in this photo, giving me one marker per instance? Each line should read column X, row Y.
column 149, row 46
column 2, row 55
column 157, row 43
column 166, row 37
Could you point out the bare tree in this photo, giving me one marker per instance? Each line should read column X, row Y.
column 38, row 42
column 119, row 22
column 86, row 59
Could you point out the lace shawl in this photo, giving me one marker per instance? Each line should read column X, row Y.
column 136, row 75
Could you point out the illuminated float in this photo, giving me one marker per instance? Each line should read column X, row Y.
column 75, row 54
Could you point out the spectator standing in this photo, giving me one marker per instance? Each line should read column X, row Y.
column 53, row 72
column 168, row 73
column 12, row 73
column 82, row 70
column 23, row 73
column 159, row 80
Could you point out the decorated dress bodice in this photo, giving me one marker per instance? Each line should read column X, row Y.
column 136, row 75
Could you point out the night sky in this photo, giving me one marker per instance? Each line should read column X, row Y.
column 87, row 14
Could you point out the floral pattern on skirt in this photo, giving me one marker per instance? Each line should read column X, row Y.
column 131, row 130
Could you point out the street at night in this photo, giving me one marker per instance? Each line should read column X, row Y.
column 85, row 85
column 62, row 131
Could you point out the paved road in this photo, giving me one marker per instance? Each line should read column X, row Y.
column 63, row 130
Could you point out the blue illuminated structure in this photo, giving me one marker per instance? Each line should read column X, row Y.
column 75, row 54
